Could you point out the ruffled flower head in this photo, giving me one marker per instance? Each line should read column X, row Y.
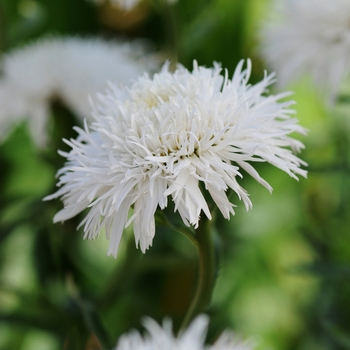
column 67, row 69
column 164, row 136
column 310, row 37
column 161, row 338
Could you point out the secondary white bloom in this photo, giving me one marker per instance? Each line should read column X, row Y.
column 126, row 5
column 162, row 338
column 311, row 37
column 68, row 69
column 162, row 137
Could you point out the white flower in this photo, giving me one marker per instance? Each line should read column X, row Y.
column 68, row 69
column 311, row 37
column 163, row 137
column 126, row 5
column 162, row 338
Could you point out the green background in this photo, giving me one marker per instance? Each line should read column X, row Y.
column 284, row 276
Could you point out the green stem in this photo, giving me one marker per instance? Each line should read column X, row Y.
column 162, row 220
column 206, row 272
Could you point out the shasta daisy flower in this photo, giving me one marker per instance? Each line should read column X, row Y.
column 311, row 37
column 164, row 136
column 126, row 5
column 68, row 69
column 161, row 337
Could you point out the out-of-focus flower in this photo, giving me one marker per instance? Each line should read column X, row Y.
column 68, row 69
column 310, row 37
column 126, row 5
column 163, row 137
column 193, row 338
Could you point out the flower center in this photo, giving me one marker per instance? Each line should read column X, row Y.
column 153, row 100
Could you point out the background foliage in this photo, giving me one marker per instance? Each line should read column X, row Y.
column 285, row 265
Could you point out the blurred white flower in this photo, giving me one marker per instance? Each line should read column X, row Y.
column 193, row 338
column 309, row 37
column 67, row 69
column 162, row 137
column 126, row 5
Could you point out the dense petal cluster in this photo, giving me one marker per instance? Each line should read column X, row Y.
column 164, row 136
column 161, row 337
column 126, row 5
column 310, row 37
column 68, row 69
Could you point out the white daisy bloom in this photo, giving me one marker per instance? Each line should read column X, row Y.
column 163, row 137
column 310, row 37
column 126, row 5
column 193, row 338
column 68, row 69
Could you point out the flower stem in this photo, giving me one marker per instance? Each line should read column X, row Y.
column 206, row 272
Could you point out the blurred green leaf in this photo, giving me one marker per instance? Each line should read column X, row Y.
column 324, row 270
column 30, row 22
column 343, row 99
column 342, row 339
